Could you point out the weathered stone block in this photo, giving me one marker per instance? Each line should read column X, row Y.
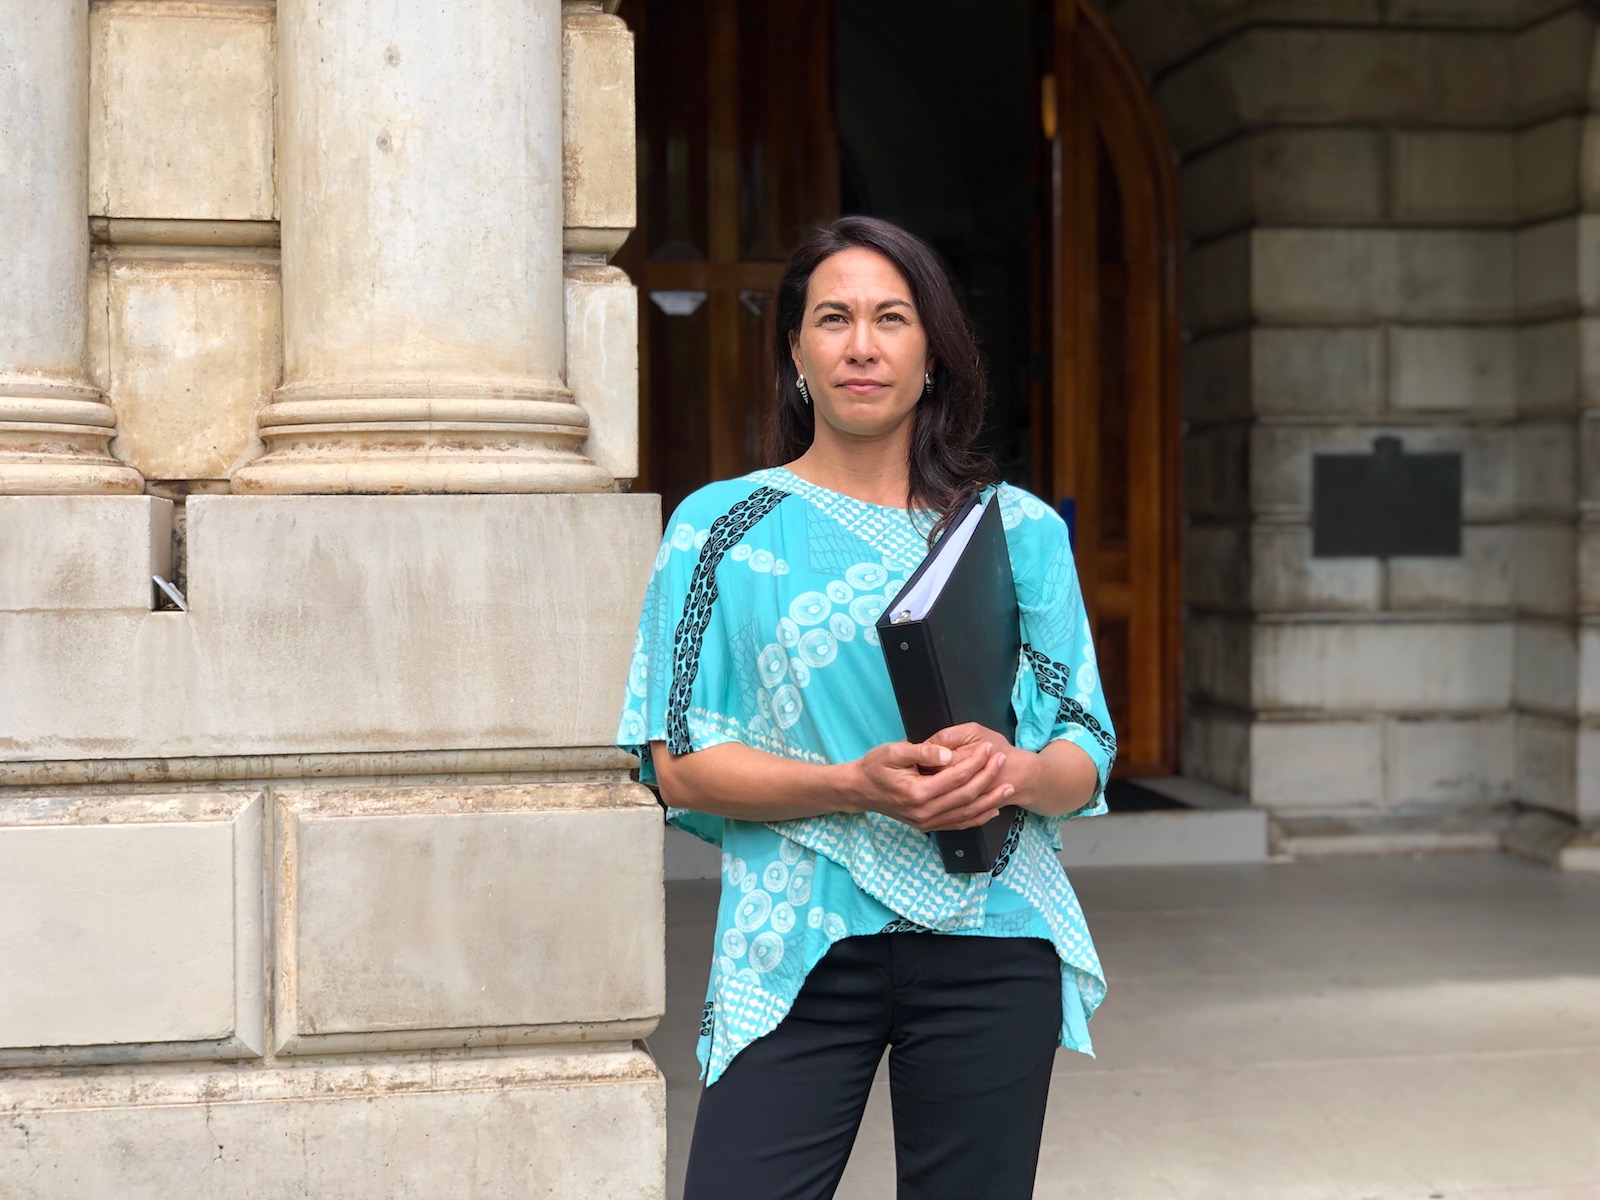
column 1216, row 748
column 1156, row 34
column 602, row 309
column 1220, row 14
column 424, row 918
column 180, row 108
column 1216, row 191
column 1217, row 378
column 1448, row 275
column 1450, row 762
column 1558, row 267
column 598, row 147
column 1322, row 276
column 1453, row 177
column 1546, row 467
column 1284, row 577
column 1217, row 284
column 1364, row 76
column 1587, row 797
column 131, row 928
column 1216, row 567
column 1395, row 666
column 587, row 1126
column 1588, row 569
column 1281, row 455
column 1546, row 273
column 1549, row 64
column 1200, row 100
column 1588, row 698
column 1216, row 652
column 1319, row 371
column 76, row 684
column 1335, row 276
column 1547, row 667
column 1469, row 370
column 350, row 623
column 1287, row 177
column 1544, row 569
column 191, row 353
column 1454, row 14
column 1586, row 487
column 1546, row 172
column 1481, row 579
column 1216, row 476
column 83, row 552
column 1547, row 358
column 1546, row 762
column 1589, row 164
column 1315, row 765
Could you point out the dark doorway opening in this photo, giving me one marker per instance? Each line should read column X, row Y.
column 1021, row 141
column 939, row 131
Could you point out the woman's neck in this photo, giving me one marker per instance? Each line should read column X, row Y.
column 877, row 472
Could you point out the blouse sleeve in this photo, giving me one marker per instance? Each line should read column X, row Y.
column 682, row 687
column 1058, row 695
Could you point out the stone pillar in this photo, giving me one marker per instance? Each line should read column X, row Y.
column 54, row 425
column 600, row 185
column 421, row 191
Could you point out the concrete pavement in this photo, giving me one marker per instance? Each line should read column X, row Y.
column 1380, row 1029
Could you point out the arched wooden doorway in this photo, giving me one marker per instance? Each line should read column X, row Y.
column 741, row 147
column 1113, row 410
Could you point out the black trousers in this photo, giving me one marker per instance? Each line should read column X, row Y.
column 971, row 1024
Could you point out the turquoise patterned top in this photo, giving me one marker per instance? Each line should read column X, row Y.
column 758, row 627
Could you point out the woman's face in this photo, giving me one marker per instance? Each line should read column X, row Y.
column 861, row 346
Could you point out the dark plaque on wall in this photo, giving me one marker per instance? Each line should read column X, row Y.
column 1386, row 503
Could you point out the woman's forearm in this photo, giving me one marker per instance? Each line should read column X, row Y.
column 923, row 784
column 735, row 780
column 1059, row 779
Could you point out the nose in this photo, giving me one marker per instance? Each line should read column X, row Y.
column 861, row 348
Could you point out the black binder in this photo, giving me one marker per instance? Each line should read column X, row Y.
column 958, row 662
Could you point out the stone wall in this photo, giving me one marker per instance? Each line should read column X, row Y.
column 327, row 882
column 1390, row 212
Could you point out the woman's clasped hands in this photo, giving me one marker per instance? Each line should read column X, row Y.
column 954, row 780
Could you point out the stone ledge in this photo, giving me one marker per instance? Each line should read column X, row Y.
column 1374, row 833
column 585, row 1126
column 345, row 624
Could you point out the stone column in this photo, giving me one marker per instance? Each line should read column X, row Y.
column 54, row 426
column 420, row 162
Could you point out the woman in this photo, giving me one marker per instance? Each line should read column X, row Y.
column 760, row 705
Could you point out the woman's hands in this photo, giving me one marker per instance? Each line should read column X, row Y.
column 934, row 786
column 1055, row 781
column 958, row 778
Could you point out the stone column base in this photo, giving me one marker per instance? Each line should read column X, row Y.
column 406, row 440
column 589, row 1125
column 54, row 440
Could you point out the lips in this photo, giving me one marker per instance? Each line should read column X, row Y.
column 862, row 387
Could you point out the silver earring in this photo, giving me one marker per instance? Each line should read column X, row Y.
column 800, row 382
column 927, row 382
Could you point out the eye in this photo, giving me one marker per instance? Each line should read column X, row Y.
column 894, row 316
column 829, row 318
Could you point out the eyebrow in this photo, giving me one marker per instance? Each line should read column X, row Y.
column 841, row 306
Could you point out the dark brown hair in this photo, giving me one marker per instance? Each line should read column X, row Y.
column 945, row 468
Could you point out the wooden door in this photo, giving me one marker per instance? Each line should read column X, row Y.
column 738, row 159
column 1113, row 419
